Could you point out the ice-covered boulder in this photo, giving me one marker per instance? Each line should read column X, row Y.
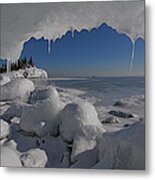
column 34, row 158
column 18, row 89
column 40, row 118
column 9, row 157
column 4, row 130
column 4, row 79
column 124, row 149
column 111, row 119
column 76, row 115
column 15, row 110
column 85, row 139
column 121, row 114
column 56, row 151
column 42, row 93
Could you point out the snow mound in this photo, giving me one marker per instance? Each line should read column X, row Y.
column 76, row 115
column 4, row 130
column 41, row 117
column 4, row 79
column 34, row 158
column 132, row 101
column 42, row 93
column 124, row 149
column 18, row 89
column 9, row 157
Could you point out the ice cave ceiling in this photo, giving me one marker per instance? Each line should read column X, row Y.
column 20, row 22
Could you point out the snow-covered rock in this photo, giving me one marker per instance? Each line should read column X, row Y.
column 42, row 93
column 15, row 110
column 40, row 118
column 34, row 158
column 85, row 139
column 9, row 157
column 4, row 79
column 111, row 119
column 76, row 115
column 56, row 151
column 4, row 130
column 124, row 149
column 121, row 114
column 18, row 89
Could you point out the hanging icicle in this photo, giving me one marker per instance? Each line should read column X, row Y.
column 72, row 33
column 49, row 46
column 132, row 55
column 8, row 66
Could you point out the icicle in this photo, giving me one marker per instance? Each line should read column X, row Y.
column 132, row 55
column 8, row 67
column 49, row 46
column 72, row 33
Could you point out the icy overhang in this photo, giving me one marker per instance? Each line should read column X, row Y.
column 20, row 22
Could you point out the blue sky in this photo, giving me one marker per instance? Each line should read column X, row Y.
column 100, row 52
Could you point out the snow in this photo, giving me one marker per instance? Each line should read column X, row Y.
column 18, row 89
column 32, row 20
column 4, row 131
column 85, row 139
column 4, row 80
column 9, row 157
column 41, row 93
column 40, row 118
column 32, row 72
column 57, row 128
column 34, row 158
column 76, row 115
column 124, row 149
column 15, row 110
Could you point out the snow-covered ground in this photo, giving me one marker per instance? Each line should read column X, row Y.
column 47, row 126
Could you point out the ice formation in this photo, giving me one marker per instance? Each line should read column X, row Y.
column 40, row 118
column 53, row 20
column 9, row 157
column 18, row 89
column 124, row 149
column 32, row 72
column 132, row 55
column 4, row 131
column 80, row 114
column 34, row 158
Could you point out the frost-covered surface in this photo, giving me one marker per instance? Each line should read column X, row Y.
column 58, row 127
column 31, row 72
